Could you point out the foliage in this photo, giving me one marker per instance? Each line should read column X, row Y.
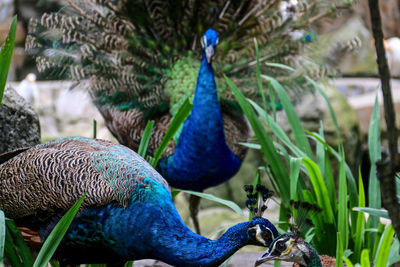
column 339, row 229
column 5, row 56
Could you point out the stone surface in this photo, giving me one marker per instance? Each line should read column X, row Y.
column 19, row 123
column 65, row 110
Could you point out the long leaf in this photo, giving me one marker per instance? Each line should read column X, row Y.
column 382, row 253
column 176, row 122
column 374, row 147
column 339, row 250
column 227, row 203
column 343, row 215
column 320, row 189
column 56, row 235
column 277, row 130
column 10, row 251
column 6, row 55
column 295, row 124
column 294, row 168
column 144, row 143
column 373, row 212
column 365, row 262
column 278, row 170
column 22, row 248
column 360, row 219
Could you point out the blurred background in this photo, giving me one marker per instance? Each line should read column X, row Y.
column 63, row 111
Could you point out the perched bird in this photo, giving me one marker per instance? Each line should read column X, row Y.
column 140, row 61
column 291, row 247
column 127, row 214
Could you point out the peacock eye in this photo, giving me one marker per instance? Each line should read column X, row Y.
column 252, row 232
column 266, row 235
column 281, row 246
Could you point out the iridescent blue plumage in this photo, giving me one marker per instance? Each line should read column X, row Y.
column 127, row 214
column 202, row 158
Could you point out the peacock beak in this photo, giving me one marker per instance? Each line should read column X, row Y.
column 209, row 53
column 267, row 256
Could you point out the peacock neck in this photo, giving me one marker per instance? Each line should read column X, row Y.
column 314, row 259
column 202, row 158
column 179, row 246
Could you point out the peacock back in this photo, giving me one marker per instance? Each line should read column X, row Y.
column 49, row 178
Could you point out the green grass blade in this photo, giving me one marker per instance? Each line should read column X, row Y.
column 360, row 220
column 319, row 89
column 278, row 169
column 176, row 122
column 10, row 251
column 94, row 129
column 320, row 151
column 339, row 250
column 6, row 55
column 144, row 142
column 365, row 262
column 382, row 253
column 353, row 193
column 227, row 203
column 295, row 124
column 319, row 187
column 277, row 130
column 294, row 168
column 374, row 212
column 343, row 214
column 56, row 235
column 379, row 234
column 348, row 262
column 394, row 255
column 374, row 147
column 23, row 250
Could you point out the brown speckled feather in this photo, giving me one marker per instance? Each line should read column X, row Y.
column 128, row 127
column 51, row 177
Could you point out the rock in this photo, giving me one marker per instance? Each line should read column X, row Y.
column 19, row 124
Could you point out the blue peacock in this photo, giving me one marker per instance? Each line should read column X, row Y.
column 140, row 61
column 127, row 214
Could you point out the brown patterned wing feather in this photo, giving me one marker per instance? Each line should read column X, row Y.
column 128, row 127
column 49, row 178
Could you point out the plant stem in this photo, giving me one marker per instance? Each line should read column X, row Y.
column 386, row 168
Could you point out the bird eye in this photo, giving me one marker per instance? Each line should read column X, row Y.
column 281, row 246
column 266, row 235
column 252, row 232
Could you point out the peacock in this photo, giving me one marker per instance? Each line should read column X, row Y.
column 127, row 213
column 291, row 247
column 140, row 61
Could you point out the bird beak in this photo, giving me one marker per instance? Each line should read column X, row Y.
column 209, row 53
column 267, row 256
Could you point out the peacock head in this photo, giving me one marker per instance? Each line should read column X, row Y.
column 209, row 42
column 288, row 247
column 261, row 232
